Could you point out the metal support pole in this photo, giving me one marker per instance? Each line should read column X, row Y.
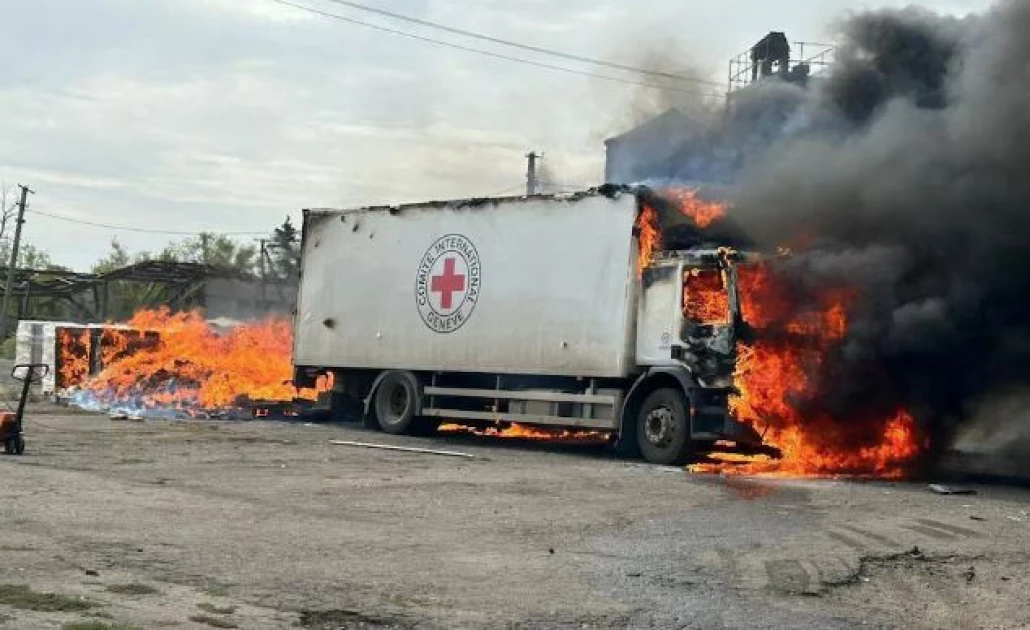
column 9, row 285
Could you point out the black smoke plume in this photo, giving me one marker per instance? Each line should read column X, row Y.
column 906, row 176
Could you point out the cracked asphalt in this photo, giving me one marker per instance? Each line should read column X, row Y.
column 273, row 527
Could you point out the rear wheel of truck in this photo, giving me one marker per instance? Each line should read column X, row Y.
column 396, row 400
column 663, row 428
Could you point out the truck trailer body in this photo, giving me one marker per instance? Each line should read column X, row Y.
column 531, row 310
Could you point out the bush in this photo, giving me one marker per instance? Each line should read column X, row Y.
column 8, row 348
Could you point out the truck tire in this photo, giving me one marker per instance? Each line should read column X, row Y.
column 396, row 400
column 663, row 428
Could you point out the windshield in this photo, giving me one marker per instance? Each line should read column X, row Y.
column 705, row 299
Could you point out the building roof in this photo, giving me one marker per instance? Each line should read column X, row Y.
column 671, row 120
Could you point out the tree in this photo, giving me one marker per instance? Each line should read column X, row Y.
column 216, row 250
column 123, row 298
column 117, row 258
column 29, row 257
column 8, row 207
column 284, row 251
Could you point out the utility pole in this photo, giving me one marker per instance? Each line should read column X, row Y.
column 264, row 273
column 9, row 285
column 531, row 180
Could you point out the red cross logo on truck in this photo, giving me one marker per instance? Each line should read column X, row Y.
column 447, row 283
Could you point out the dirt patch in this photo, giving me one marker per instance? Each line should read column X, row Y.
column 216, row 610
column 341, row 619
column 24, row 598
column 937, row 591
column 214, row 622
column 134, row 588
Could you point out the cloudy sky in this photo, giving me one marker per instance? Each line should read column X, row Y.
column 228, row 115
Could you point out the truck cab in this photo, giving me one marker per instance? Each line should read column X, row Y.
column 689, row 324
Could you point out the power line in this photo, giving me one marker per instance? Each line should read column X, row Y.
column 536, row 49
column 126, row 228
column 487, row 53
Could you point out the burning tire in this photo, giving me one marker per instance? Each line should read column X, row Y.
column 396, row 403
column 663, row 428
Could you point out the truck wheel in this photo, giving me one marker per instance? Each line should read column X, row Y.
column 395, row 402
column 663, row 429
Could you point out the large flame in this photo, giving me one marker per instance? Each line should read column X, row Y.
column 782, row 372
column 72, row 356
column 177, row 360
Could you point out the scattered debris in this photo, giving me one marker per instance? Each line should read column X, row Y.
column 970, row 574
column 947, row 490
column 404, row 449
column 214, row 622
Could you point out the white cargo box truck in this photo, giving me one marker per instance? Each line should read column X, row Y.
column 531, row 310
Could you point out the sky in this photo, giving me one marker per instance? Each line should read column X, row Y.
column 230, row 115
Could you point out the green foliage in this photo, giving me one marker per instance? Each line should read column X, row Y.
column 117, row 258
column 8, row 348
column 123, row 298
column 284, row 251
column 97, row 625
column 216, row 250
column 24, row 598
column 214, row 622
column 133, row 588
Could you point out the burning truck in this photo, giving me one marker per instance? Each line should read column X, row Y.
column 551, row 311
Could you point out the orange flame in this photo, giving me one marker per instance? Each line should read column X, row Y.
column 649, row 237
column 778, row 372
column 702, row 213
column 705, row 299
column 525, row 432
column 184, row 363
column 73, row 346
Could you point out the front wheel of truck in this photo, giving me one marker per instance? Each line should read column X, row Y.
column 663, row 428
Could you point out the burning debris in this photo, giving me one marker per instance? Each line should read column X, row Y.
column 183, row 367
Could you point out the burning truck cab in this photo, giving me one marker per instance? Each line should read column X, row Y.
column 689, row 324
column 553, row 311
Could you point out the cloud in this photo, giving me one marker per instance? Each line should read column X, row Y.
column 227, row 115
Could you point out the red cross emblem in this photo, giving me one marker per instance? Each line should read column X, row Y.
column 448, row 284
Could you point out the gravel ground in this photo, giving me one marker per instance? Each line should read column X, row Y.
column 268, row 525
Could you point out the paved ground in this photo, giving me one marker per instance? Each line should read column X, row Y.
column 266, row 525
